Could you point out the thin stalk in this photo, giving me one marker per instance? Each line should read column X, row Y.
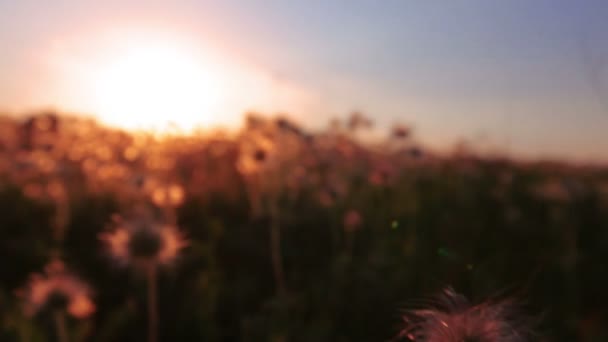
column 61, row 218
column 171, row 214
column 275, row 248
column 350, row 244
column 24, row 332
column 152, row 303
column 60, row 326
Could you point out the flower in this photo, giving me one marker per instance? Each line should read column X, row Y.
column 382, row 173
column 358, row 121
column 57, row 289
column 401, row 132
column 170, row 195
column 454, row 319
column 352, row 220
column 142, row 241
column 256, row 154
column 552, row 190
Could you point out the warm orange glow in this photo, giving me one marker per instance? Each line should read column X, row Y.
column 156, row 84
column 57, row 281
column 158, row 78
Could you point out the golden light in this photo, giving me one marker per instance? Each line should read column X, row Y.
column 152, row 85
column 143, row 78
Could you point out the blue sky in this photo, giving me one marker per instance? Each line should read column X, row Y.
column 520, row 75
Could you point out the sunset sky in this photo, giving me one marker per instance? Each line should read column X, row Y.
column 529, row 77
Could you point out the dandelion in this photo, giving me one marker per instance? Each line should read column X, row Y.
column 455, row 319
column 255, row 154
column 327, row 197
column 382, row 173
column 401, row 132
column 415, row 152
column 352, row 220
column 261, row 165
column 39, row 131
column 145, row 245
column 141, row 242
column 287, row 126
column 57, row 291
column 253, row 120
column 358, row 121
column 168, row 197
column 552, row 190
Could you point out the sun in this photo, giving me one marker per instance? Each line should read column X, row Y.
column 154, row 84
column 141, row 77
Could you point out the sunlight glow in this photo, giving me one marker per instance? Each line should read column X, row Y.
column 162, row 80
column 151, row 85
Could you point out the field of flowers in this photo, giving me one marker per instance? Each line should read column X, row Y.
column 274, row 233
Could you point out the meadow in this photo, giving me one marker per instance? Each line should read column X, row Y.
column 276, row 233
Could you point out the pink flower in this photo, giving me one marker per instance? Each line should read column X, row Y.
column 352, row 220
column 454, row 319
column 142, row 241
column 57, row 289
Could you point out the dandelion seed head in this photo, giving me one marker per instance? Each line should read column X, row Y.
column 454, row 319
column 259, row 155
column 401, row 132
column 352, row 220
column 57, row 289
column 142, row 241
column 171, row 195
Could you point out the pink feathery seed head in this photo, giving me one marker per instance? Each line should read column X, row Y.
column 352, row 220
column 142, row 241
column 401, row 131
column 452, row 318
column 256, row 152
column 57, row 289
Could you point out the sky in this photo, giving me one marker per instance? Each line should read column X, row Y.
column 525, row 77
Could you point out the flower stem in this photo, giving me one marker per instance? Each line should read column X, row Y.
column 152, row 304
column 60, row 326
column 275, row 248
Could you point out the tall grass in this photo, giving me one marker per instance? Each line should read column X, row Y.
column 275, row 233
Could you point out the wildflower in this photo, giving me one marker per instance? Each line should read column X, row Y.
column 288, row 127
column 171, row 195
column 415, row 152
column 57, row 290
column 327, row 197
column 401, row 132
column 142, row 242
column 254, row 120
column 552, row 190
column 352, row 220
column 145, row 245
column 358, row 121
column 382, row 173
column 39, row 131
column 255, row 154
column 454, row 319
column 259, row 155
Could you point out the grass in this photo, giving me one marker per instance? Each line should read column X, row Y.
column 293, row 235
